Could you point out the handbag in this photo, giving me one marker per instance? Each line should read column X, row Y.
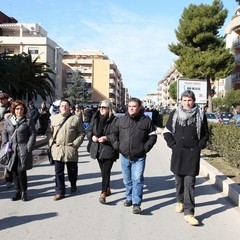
column 5, row 154
column 6, row 151
column 49, row 150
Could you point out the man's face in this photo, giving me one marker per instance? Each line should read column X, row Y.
column 3, row 101
column 133, row 108
column 187, row 102
column 64, row 108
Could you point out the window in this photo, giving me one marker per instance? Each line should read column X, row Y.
column 9, row 50
column 33, row 50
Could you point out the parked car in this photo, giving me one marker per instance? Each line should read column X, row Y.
column 213, row 117
column 225, row 116
column 235, row 120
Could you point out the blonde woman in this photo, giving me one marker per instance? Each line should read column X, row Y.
column 101, row 149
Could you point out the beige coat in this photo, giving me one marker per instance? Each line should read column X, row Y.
column 69, row 138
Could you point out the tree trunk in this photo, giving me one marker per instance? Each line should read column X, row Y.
column 209, row 94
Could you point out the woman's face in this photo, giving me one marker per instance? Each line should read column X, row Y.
column 19, row 110
column 104, row 109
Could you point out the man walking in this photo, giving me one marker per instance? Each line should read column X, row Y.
column 186, row 133
column 133, row 136
column 68, row 134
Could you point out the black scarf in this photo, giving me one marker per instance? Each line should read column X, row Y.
column 101, row 125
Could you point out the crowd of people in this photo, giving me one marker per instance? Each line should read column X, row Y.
column 128, row 138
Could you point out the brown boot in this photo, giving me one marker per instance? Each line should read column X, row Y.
column 102, row 198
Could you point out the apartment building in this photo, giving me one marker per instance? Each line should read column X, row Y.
column 101, row 75
column 232, row 36
column 16, row 38
column 172, row 75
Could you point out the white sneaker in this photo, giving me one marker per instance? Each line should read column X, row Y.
column 179, row 207
column 191, row 220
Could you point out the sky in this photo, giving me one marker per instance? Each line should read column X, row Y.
column 133, row 33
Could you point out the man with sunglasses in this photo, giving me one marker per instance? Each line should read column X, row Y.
column 133, row 136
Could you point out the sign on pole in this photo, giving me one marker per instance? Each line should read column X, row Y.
column 198, row 86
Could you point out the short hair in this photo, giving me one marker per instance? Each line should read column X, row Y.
column 137, row 100
column 188, row 93
column 65, row 100
column 16, row 104
column 109, row 105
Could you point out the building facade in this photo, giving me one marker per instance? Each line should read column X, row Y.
column 101, row 75
column 16, row 38
column 164, row 99
column 232, row 36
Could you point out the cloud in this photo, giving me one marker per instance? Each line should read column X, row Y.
column 137, row 44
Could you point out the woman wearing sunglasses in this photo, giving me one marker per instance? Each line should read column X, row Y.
column 101, row 149
column 21, row 132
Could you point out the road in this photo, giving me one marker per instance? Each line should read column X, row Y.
column 81, row 216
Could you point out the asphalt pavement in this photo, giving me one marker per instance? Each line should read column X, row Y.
column 81, row 216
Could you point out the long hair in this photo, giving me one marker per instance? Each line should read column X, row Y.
column 109, row 105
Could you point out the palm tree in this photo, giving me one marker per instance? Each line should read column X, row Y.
column 27, row 78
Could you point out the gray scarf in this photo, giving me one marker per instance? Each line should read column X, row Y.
column 187, row 117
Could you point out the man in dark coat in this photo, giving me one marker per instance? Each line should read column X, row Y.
column 133, row 136
column 186, row 133
column 34, row 113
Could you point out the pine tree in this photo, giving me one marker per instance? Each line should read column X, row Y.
column 77, row 92
column 201, row 51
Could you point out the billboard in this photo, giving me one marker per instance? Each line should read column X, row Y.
column 198, row 86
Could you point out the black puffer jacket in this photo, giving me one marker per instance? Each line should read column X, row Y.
column 133, row 137
column 102, row 150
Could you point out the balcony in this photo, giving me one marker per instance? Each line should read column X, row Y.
column 69, row 70
column 236, row 42
column 112, row 82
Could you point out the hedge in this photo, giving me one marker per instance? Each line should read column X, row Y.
column 224, row 139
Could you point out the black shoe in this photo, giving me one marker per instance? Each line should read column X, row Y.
column 73, row 189
column 136, row 209
column 24, row 196
column 128, row 203
column 16, row 196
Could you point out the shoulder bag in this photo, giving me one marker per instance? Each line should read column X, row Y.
column 49, row 151
column 6, row 150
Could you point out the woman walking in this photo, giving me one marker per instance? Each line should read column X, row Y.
column 101, row 148
column 21, row 132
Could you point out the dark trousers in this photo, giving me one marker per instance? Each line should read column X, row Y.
column 72, row 170
column 19, row 178
column 8, row 175
column 185, row 192
column 105, row 166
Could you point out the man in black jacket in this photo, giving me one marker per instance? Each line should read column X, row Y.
column 186, row 133
column 133, row 136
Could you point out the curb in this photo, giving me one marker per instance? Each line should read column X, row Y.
column 223, row 183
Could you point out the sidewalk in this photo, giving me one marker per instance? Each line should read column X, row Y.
column 222, row 182
column 81, row 216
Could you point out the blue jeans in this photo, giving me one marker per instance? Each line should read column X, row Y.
column 133, row 178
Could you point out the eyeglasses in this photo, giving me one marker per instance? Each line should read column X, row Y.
column 18, row 108
column 102, row 107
